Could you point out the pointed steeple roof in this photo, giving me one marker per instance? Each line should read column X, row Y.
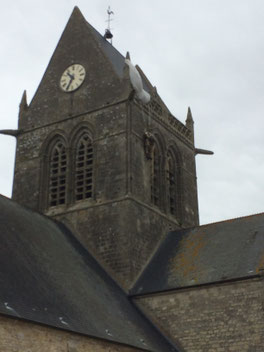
column 112, row 54
column 189, row 122
column 104, row 82
column 189, row 119
column 23, row 104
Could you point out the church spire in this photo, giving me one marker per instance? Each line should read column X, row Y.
column 23, row 104
column 189, row 122
column 126, row 69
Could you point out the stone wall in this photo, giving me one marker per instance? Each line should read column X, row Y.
column 215, row 318
column 122, row 235
column 107, row 129
column 119, row 224
column 17, row 335
column 167, row 139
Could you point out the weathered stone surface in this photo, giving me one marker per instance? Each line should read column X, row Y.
column 22, row 336
column 215, row 318
column 122, row 234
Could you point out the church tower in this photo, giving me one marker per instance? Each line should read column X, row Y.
column 120, row 173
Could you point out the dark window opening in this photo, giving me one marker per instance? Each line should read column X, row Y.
column 171, row 185
column 84, row 168
column 57, row 174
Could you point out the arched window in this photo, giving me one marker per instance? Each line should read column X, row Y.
column 84, row 168
column 155, row 176
column 57, row 173
column 171, row 183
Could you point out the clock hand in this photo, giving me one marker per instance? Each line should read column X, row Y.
column 70, row 81
column 71, row 76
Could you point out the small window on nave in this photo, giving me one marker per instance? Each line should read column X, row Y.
column 84, row 168
column 57, row 174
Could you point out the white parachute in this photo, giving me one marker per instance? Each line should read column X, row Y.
column 137, row 83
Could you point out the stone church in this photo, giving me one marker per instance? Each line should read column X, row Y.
column 101, row 248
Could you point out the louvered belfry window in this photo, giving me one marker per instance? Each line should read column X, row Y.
column 57, row 174
column 155, row 182
column 171, row 183
column 84, row 168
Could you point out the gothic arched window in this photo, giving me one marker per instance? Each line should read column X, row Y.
column 171, row 183
column 155, row 175
column 84, row 168
column 57, row 173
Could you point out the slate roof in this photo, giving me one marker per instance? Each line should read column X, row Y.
column 114, row 56
column 46, row 276
column 227, row 250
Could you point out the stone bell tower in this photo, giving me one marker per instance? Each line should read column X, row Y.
column 119, row 172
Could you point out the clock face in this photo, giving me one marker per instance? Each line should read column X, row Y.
column 72, row 78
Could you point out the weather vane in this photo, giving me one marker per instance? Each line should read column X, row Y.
column 108, row 34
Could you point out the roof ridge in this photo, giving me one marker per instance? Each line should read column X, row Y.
column 228, row 220
column 81, row 269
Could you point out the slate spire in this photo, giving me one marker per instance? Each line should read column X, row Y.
column 189, row 122
column 23, row 106
column 23, row 103
column 77, row 12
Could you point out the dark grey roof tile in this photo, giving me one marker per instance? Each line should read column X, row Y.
column 215, row 252
column 46, row 276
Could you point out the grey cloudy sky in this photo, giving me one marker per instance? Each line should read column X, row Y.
column 206, row 54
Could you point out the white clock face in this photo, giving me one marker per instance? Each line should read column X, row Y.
column 72, row 78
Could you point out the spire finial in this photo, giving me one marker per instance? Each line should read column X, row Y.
column 189, row 122
column 108, row 34
column 23, row 104
column 189, row 118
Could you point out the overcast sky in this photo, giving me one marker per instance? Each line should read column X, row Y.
column 206, row 54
